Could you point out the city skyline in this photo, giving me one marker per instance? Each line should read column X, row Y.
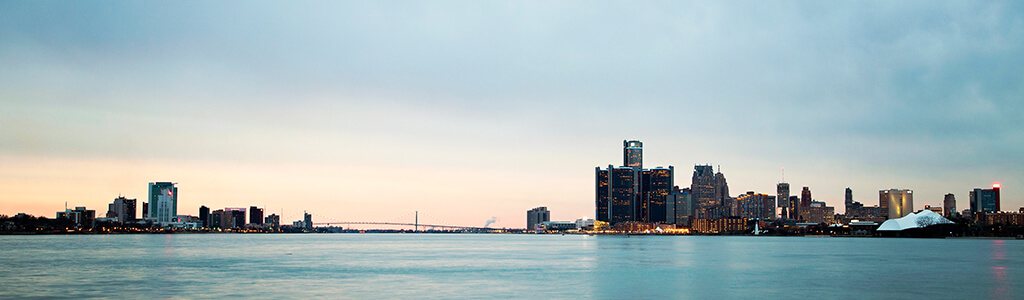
column 503, row 106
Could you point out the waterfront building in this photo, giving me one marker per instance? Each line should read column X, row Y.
column 623, row 194
column 145, row 210
column 805, row 202
column 680, row 207
column 274, row 221
column 255, row 215
column 782, row 195
column 233, row 217
column 122, row 209
column 657, row 185
column 849, row 198
column 900, row 202
column 702, row 187
column 536, row 216
column 163, row 201
column 633, row 154
column 720, row 225
column 602, row 194
column 1002, row 218
column 80, row 216
column 215, row 219
column 949, row 205
column 557, row 226
column 308, row 219
column 820, row 212
column 985, row 200
column 756, row 206
column 204, row 216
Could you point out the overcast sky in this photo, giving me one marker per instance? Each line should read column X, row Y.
column 467, row 110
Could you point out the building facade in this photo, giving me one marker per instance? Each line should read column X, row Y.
column 756, row 206
column 949, row 205
column 633, row 154
column 536, row 216
column 782, row 195
column 985, row 200
column 123, row 209
column 900, row 202
column 163, row 202
column 255, row 215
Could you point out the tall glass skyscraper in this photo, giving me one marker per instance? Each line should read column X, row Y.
column 985, row 200
column 658, row 183
column 601, row 201
column 782, row 195
column 163, row 201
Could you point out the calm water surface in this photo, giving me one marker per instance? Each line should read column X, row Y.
column 387, row 266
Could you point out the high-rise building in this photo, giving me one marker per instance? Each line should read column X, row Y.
column 899, row 201
column 782, row 195
column 805, row 202
column 123, row 209
column 602, row 192
column 794, row 207
column 949, row 205
column 657, row 184
column 255, row 215
column 756, row 206
column 536, row 216
column 985, row 200
column 234, row 217
column 849, row 198
column 163, row 201
column 679, row 207
column 145, row 210
column 204, row 216
column 623, row 194
column 274, row 221
column 819, row 212
column 216, row 219
column 633, row 154
column 704, row 193
column 307, row 220
column 729, row 208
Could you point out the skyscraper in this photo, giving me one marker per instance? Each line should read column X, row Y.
column 782, row 195
column 849, row 198
column 307, row 220
column 234, row 217
column 601, row 203
column 805, row 202
column 255, row 215
column 702, row 187
column 536, row 216
column 163, row 201
column 123, row 209
column 756, row 206
column 633, row 154
column 728, row 204
column 949, row 205
column 680, row 207
column 623, row 194
column 985, row 200
column 657, row 184
column 899, row 201
column 216, row 219
column 204, row 216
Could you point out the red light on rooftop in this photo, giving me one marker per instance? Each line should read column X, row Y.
column 996, row 185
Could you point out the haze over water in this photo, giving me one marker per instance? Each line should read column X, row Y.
column 387, row 266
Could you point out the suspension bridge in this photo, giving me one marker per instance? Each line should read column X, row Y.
column 414, row 225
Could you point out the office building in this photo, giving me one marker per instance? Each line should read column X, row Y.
column 307, row 220
column 145, row 210
column 274, row 221
column 680, row 207
column 80, row 216
column 936, row 209
column 949, row 205
column 849, row 198
column 602, row 193
column 204, row 216
column 756, row 206
column 782, row 195
column 623, row 194
column 536, row 216
column 819, row 212
column 163, row 202
column 633, row 154
column 657, row 185
column 985, row 200
column 704, row 193
column 900, row 202
column 216, row 219
column 255, row 215
column 122, row 209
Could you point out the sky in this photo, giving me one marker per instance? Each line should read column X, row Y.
column 468, row 110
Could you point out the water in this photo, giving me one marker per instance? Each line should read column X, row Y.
column 388, row 266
